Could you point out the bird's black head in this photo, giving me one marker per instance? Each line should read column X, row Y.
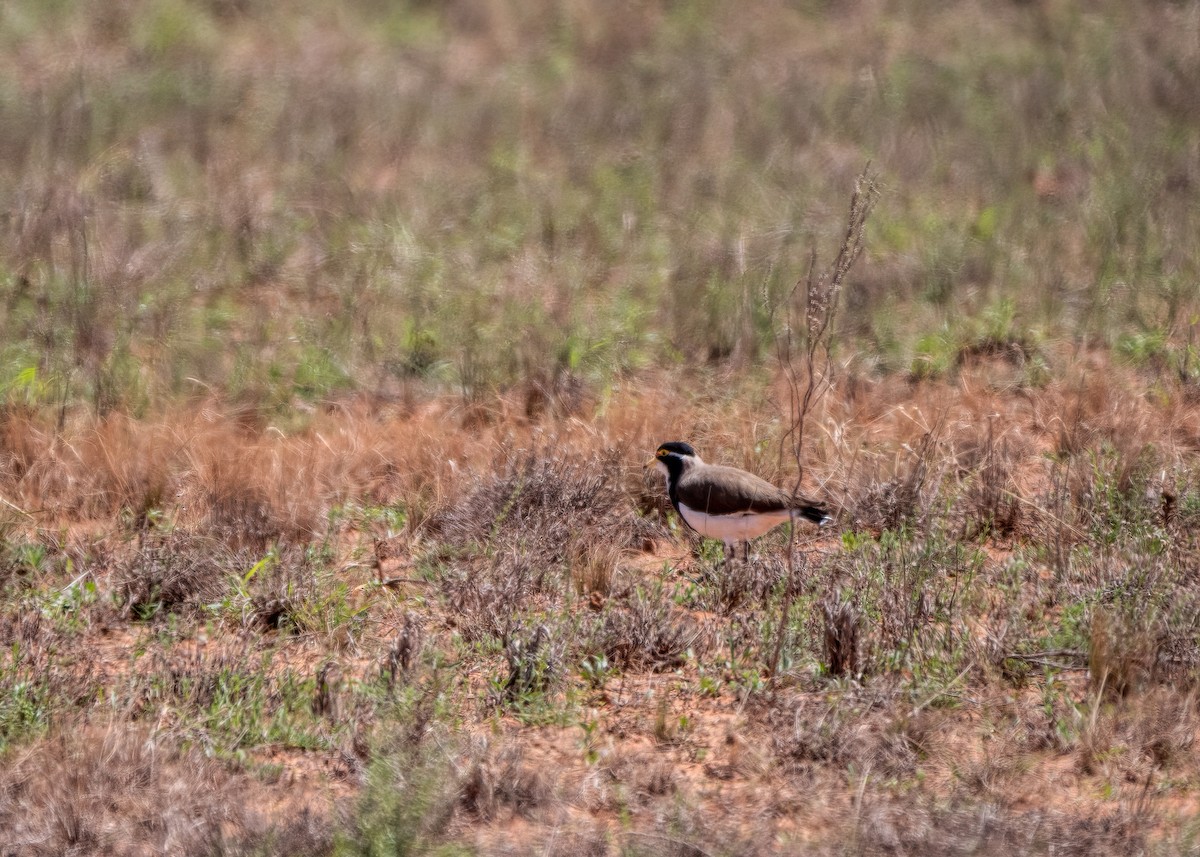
column 677, row 447
column 673, row 457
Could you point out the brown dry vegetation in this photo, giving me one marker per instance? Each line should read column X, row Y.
column 490, row 635
column 335, row 337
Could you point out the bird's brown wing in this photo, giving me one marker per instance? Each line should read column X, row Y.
column 717, row 490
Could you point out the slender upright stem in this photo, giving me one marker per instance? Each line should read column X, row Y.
column 806, row 385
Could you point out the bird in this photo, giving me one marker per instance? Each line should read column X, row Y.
column 727, row 503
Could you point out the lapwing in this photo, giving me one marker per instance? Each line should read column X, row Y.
column 726, row 503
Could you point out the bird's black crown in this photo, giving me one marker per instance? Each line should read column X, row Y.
column 677, row 447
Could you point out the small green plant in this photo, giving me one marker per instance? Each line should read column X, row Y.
column 239, row 708
column 934, row 355
column 711, row 552
column 66, row 606
column 238, row 599
column 26, row 699
column 329, row 610
column 411, row 791
column 595, row 671
column 26, row 386
column 27, row 559
column 710, row 685
column 1063, row 714
column 740, row 666
column 392, row 518
column 591, row 751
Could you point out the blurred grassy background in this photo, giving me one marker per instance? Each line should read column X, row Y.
column 289, row 201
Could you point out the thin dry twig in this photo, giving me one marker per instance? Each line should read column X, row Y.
column 669, row 840
column 821, row 294
column 821, row 300
column 1042, row 659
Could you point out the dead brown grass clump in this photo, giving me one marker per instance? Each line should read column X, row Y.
column 79, row 793
column 740, row 584
column 504, row 780
column 210, row 466
column 893, row 828
column 518, row 533
column 644, row 630
column 841, row 646
column 1163, row 727
column 901, row 500
column 1122, row 651
column 863, row 729
column 21, row 440
column 176, row 570
column 993, row 500
column 545, row 500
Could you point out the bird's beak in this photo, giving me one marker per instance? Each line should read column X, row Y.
column 650, row 463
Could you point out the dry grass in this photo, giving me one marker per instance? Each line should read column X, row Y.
column 951, row 663
column 336, row 338
column 119, row 791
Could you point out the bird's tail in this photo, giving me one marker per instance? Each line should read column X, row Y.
column 814, row 513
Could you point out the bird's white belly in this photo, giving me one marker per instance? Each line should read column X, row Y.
column 732, row 528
